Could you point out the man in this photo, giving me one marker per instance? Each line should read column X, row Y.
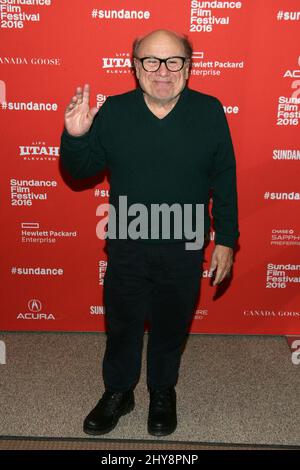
column 163, row 143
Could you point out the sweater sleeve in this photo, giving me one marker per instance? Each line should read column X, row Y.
column 224, row 195
column 85, row 156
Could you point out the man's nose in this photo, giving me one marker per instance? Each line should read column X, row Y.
column 163, row 69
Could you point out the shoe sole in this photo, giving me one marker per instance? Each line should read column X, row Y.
column 95, row 432
column 161, row 432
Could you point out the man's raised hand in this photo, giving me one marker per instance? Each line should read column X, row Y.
column 78, row 115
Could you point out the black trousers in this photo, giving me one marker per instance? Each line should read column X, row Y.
column 159, row 283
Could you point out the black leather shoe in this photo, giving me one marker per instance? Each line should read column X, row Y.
column 162, row 419
column 105, row 416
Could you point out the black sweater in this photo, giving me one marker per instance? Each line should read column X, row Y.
column 177, row 159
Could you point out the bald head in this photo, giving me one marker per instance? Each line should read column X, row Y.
column 162, row 37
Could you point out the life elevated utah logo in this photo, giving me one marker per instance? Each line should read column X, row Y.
column 120, row 64
column 38, row 151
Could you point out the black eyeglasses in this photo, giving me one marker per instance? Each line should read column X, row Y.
column 152, row 64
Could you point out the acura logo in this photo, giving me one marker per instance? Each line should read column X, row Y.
column 35, row 305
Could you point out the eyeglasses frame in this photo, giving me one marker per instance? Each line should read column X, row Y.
column 184, row 59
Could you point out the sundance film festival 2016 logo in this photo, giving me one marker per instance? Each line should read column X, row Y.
column 100, row 99
column 286, row 154
column 203, row 18
column 288, row 107
column 15, row 15
column 164, row 220
column 97, row 310
column 102, row 270
column 23, row 191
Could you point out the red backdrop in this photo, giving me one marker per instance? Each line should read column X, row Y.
column 246, row 53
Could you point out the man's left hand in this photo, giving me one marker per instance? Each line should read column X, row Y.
column 222, row 259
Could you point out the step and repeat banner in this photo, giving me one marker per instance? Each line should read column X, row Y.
column 246, row 53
